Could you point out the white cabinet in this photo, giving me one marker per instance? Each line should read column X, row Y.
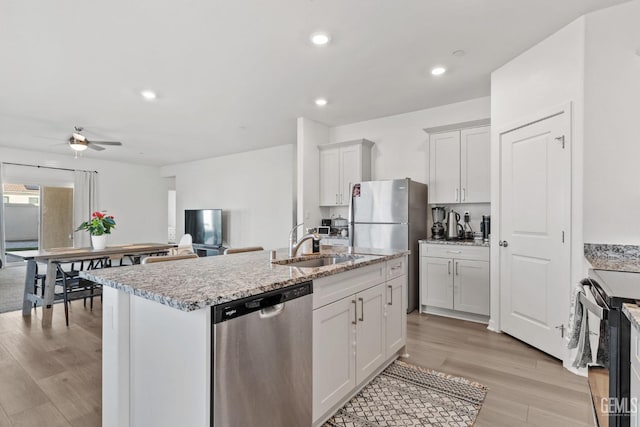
column 359, row 325
column 396, row 317
column 436, row 272
column 459, row 166
column 454, row 280
column 370, row 331
column 634, row 392
column 342, row 165
column 334, row 365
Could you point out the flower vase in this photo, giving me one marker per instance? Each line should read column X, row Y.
column 99, row 242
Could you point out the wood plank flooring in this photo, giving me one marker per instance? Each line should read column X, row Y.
column 526, row 387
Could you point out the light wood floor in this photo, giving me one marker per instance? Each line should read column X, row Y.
column 526, row 387
column 53, row 377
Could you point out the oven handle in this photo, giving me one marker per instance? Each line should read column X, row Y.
column 594, row 308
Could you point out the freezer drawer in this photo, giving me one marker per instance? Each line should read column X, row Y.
column 381, row 236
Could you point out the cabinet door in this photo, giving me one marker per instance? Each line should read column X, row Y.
column 436, row 282
column 634, row 393
column 396, row 316
column 471, row 286
column 334, row 369
column 475, row 180
column 329, row 177
column 350, row 170
column 370, row 331
column 444, row 168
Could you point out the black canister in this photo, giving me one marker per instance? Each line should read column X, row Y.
column 485, row 227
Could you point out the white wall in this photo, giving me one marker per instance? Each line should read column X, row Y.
column 135, row 194
column 310, row 135
column 612, row 133
column 542, row 78
column 254, row 190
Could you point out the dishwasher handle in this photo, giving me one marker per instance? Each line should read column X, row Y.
column 273, row 311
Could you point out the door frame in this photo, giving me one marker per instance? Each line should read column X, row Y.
column 574, row 237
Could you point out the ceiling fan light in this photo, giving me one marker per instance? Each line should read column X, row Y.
column 77, row 147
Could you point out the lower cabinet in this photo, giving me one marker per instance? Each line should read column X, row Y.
column 353, row 337
column 450, row 283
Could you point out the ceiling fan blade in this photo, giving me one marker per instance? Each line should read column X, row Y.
column 95, row 147
column 106, row 142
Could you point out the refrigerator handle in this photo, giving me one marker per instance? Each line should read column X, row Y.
column 350, row 218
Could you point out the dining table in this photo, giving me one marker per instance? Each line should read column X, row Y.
column 51, row 256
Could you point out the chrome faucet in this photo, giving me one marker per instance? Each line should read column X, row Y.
column 294, row 247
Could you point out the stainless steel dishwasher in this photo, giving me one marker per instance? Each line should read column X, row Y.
column 261, row 370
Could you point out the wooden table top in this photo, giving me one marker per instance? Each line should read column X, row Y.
column 69, row 253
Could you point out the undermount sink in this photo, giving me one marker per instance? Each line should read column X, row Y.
column 318, row 261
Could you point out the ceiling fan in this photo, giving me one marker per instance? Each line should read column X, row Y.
column 78, row 142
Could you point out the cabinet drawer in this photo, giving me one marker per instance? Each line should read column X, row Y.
column 332, row 288
column 395, row 267
column 478, row 253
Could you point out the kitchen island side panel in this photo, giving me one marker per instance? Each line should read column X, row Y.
column 164, row 377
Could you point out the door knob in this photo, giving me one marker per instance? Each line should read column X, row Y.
column 503, row 243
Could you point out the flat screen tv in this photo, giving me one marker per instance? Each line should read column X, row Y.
column 204, row 225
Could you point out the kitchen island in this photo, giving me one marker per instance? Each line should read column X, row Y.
column 157, row 329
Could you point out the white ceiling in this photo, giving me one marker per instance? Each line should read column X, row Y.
column 233, row 75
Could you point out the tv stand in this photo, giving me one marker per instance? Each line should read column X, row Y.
column 208, row 250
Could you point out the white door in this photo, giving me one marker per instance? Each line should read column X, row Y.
column 444, row 168
column 329, row 177
column 437, row 282
column 351, row 170
column 334, row 367
column 396, row 316
column 471, row 286
column 475, row 150
column 534, row 226
column 370, row 331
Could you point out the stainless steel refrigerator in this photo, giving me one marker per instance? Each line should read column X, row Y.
column 391, row 215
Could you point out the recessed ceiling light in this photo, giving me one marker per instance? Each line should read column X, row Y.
column 438, row 71
column 149, row 95
column 320, row 39
column 459, row 52
column 321, row 102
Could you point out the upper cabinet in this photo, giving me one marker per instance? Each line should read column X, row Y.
column 459, row 166
column 342, row 165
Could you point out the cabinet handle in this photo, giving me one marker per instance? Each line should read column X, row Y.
column 454, row 252
column 457, row 268
column 361, row 309
column 449, row 267
column 464, row 194
column 355, row 312
column 456, row 194
column 391, row 289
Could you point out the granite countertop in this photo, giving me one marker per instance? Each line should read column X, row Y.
column 193, row 284
column 454, row 242
column 624, row 258
column 632, row 312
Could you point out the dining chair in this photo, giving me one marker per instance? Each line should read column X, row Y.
column 73, row 286
column 185, row 246
column 155, row 259
column 230, row 251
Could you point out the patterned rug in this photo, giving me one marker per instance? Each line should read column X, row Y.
column 407, row 395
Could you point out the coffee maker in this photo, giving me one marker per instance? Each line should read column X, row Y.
column 438, row 230
column 485, row 227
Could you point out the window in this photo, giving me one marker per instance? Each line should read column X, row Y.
column 34, row 200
